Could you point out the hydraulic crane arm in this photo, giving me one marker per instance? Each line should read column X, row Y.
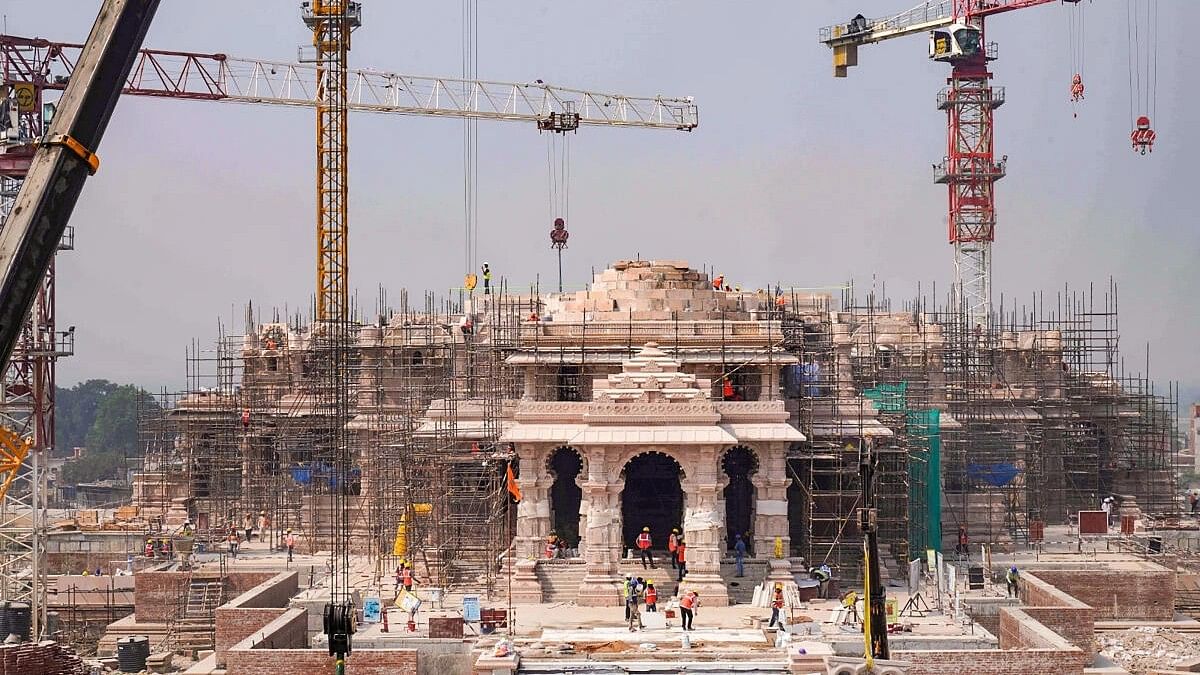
column 217, row 77
column 65, row 158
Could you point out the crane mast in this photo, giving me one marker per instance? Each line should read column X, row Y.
column 969, row 168
column 331, row 22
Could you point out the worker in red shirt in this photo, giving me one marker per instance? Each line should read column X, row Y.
column 688, row 605
column 777, row 607
column 718, row 282
column 681, row 558
column 406, row 578
column 651, row 597
column 672, row 544
column 289, row 540
column 643, row 545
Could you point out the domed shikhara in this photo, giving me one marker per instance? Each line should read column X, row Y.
column 651, row 290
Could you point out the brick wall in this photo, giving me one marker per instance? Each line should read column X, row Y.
column 990, row 662
column 1145, row 592
column 1026, row 648
column 251, row 611
column 157, row 595
column 1065, row 615
column 280, row 649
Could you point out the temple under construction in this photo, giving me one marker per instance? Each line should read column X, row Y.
column 655, row 399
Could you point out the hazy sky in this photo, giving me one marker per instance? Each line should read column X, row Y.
column 793, row 176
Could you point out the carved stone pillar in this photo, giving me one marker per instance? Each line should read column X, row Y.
column 702, row 521
column 581, row 480
column 526, row 589
column 771, row 507
column 601, row 585
column 533, row 511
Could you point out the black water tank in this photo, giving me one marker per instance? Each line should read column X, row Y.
column 132, row 652
column 20, row 619
column 4, row 623
column 1154, row 545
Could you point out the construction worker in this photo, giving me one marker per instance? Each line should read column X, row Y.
column 780, row 303
column 248, row 525
column 822, row 574
column 634, row 610
column 672, row 544
column 963, row 547
column 688, row 604
column 627, row 589
column 233, row 540
column 487, row 279
column 739, row 555
column 727, row 391
column 187, row 529
column 264, row 524
column 1107, row 507
column 149, row 550
column 718, row 282
column 289, row 540
column 553, row 545
column 651, row 597
column 1193, row 500
column 1012, row 579
column 643, row 544
column 777, row 606
column 399, row 576
column 406, row 578
column 681, row 558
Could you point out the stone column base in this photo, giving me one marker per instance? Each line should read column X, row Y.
column 526, row 589
column 600, row 590
column 709, row 585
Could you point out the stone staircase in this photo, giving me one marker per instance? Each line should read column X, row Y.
column 560, row 579
column 741, row 591
column 195, row 628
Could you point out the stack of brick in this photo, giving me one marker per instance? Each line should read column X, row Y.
column 652, row 290
column 40, row 658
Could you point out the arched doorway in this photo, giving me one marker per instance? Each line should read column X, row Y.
column 652, row 498
column 565, row 495
column 739, row 464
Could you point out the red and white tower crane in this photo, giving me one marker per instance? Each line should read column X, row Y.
column 969, row 168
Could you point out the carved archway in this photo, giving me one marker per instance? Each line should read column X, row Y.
column 565, row 465
column 739, row 463
column 652, row 497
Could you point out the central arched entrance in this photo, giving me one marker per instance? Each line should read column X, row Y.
column 565, row 494
column 652, row 498
column 739, row 464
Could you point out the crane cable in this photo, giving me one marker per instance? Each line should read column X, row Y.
column 1142, row 40
column 1077, row 39
column 558, row 171
column 470, row 73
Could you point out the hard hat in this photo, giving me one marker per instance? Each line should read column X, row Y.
column 645, row 529
column 675, row 530
column 262, row 513
column 1013, row 568
column 628, row 575
column 289, row 529
column 485, row 264
column 649, row 583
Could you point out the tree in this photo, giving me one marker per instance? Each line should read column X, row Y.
column 75, row 411
column 110, row 413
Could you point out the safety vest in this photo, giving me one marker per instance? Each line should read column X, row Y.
column 406, row 578
column 290, row 540
column 672, row 542
column 688, row 601
column 727, row 389
column 778, row 603
column 549, row 549
column 643, row 541
column 651, row 596
column 679, row 553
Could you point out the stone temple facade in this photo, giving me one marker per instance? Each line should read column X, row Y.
column 651, row 409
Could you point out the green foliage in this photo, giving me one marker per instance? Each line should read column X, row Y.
column 101, row 416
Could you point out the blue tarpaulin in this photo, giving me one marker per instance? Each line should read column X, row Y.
column 995, row 475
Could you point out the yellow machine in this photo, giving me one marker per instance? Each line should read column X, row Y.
column 13, row 451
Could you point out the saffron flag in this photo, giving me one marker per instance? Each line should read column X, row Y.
column 513, row 488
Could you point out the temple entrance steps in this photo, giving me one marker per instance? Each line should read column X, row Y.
column 560, row 579
column 741, row 590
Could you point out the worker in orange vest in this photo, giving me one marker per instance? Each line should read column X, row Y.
column 777, row 607
column 688, row 605
column 681, row 558
column 672, row 544
column 406, row 578
column 651, row 597
column 727, row 390
column 289, row 540
column 718, row 282
column 643, row 544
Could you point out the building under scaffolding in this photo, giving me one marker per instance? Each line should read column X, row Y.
column 995, row 429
